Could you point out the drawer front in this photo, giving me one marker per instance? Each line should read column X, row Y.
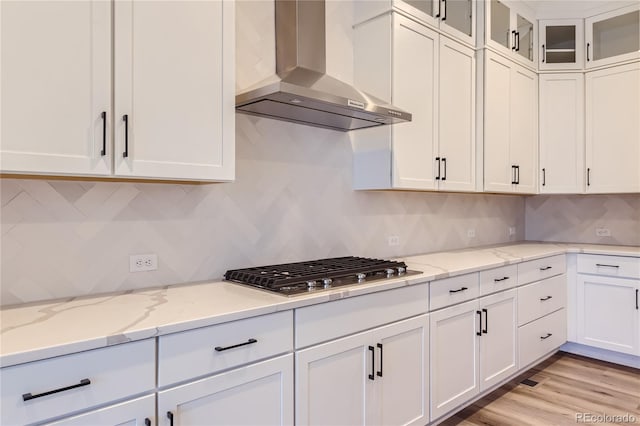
column 112, row 373
column 450, row 291
column 498, row 279
column 615, row 266
column 541, row 336
column 194, row 353
column 540, row 298
column 327, row 321
column 539, row 269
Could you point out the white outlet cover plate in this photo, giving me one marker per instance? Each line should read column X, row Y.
column 143, row 262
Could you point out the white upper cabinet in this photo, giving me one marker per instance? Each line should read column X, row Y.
column 510, row 126
column 561, row 133
column 613, row 37
column 561, row 44
column 456, row 18
column 613, row 129
column 174, row 89
column 173, row 74
column 510, row 29
column 56, row 87
column 432, row 77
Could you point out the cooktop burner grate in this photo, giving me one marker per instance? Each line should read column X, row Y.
column 294, row 278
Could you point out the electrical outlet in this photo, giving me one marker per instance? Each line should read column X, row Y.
column 471, row 233
column 394, row 240
column 512, row 231
column 603, row 232
column 143, row 262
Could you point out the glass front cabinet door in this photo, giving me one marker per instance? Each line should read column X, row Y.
column 454, row 17
column 510, row 29
column 613, row 37
column 561, row 44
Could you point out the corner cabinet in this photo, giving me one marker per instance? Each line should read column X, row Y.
column 510, row 126
column 613, row 37
column 561, row 44
column 613, row 129
column 431, row 76
column 172, row 115
column 561, row 112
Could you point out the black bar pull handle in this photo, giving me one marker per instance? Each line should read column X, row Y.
column 248, row 342
column 518, row 39
column 588, row 45
column 513, row 175
column 542, row 299
column 479, row 332
column 147, row 422
column 497, row 280
column 444, row 15
column 544, row 177
column 544, row 54
column 546, row 268
column 604, row 265
column 513, row 46
column 588, row 177
column 438, row 160
column 29, row 396
column 637, row 299
column 458, row 290
column 439, row 9
column 518, row 175
column 379, row 373
column 170, row 417
column 125, row 118
column 444, row 163
column 373, row 361
column 485, row 330
column 103, row 152
column 546, row 337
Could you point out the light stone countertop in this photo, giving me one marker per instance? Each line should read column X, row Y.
column 42, row 330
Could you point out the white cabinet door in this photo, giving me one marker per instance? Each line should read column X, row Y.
column 174, row 89
column 415, row 89
column 258, row 394
column 510, row 126
column 138, row 412
column 401, row 390
column 613, row 129
column 523, row 148
column 498, row 357
column 453, row 353
column 561, row 44
column 608, row 315
column 561, row 133
column 56, row 85
column 613, row 37
column 457, row 143
column 334, row 382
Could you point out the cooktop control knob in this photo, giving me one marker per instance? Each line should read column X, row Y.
column 361, row 276
column 390, row 272
column 401, row 270
column 327, row 282
column 311, row 284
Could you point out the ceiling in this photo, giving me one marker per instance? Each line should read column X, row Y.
column 573, row 8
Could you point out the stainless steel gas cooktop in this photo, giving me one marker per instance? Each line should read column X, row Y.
column 303, row 277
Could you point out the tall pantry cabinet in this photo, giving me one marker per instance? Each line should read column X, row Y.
column 168, row 66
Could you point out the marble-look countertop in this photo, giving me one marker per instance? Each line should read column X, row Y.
column 42, row 330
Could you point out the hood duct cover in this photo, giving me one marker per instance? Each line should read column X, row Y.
column 302, row 92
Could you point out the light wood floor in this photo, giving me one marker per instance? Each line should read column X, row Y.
column 567, row 384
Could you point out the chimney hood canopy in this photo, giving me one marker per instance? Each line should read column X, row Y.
column 302, row 92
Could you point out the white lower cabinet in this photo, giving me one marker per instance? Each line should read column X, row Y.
column 258, row 394
column 374, row 377
column 472, row 347
column 139, row 412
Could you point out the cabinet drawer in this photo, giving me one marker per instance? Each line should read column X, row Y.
column 541, row 336
column 327, row 321
column 450, row 291
column 498, row 279
column 202, row 351
column 539, row 269
column 540, row 298
column 615, row 266
column 112, row 373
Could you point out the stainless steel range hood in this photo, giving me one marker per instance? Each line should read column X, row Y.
column 302, row 92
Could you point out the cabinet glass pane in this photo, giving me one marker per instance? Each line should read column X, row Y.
column 458, row 15
column 500, row 16
column 425, row 6
column 524, row 45
column 561, row 44
column 616, row 36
